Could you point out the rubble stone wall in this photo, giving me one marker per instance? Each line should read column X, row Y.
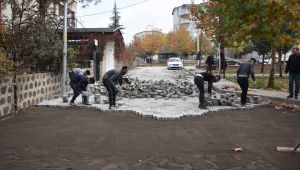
column 32, row 88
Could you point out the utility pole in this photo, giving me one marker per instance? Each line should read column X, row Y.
column 64, row 73
column 198, row 49
column 95, row 61
column 219, row 53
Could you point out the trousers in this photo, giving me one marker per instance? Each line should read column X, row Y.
column 244, row 84
column 199, row 81
column 112, row 92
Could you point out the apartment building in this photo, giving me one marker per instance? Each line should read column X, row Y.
column 182, row 18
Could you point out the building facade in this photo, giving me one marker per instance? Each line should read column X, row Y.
column 106, row 55
column 182, row 18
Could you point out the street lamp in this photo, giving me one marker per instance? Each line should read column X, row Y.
column 64, row 73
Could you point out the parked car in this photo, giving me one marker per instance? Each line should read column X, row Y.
column 174, row 63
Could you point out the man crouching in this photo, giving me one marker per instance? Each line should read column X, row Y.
column 199, row 79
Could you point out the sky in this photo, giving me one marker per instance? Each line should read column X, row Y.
column 135, row 17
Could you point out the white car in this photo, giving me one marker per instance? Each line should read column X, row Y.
column 174, row 63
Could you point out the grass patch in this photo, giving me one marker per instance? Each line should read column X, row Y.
column 280, row 83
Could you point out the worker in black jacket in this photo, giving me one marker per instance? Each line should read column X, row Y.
column 109, row 80
column 293, row 68
column 199, row 79
column 210, row 63
column 243, row 73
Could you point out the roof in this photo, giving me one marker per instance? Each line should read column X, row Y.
column 93, row 30
column 183, row 5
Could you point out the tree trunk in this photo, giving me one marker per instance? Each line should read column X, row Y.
column 43, row 9
column 271, row 77
column 280, row 63
column 263, row 63
column 284, row 62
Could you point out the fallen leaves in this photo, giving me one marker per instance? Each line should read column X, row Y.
column 293, row 107
column 237, row 149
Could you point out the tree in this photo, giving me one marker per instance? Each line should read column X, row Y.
column 210, row 19
column 206, row 45
column 263, row 47
column 34, row 44
column 136, row 47
column 87, row 2
column 181, row 42
column 115, row 18
column 153, row 42
column 256, row 19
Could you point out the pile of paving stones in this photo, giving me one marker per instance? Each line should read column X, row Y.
column 231, row 99
column 158, row 89
column 166, row 90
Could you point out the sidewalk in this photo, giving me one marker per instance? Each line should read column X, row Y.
column 229, row 86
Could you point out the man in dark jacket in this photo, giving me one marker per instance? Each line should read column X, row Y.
column 79, row 85
column 243, row 73
column 111, row 78
column 73, row 75
column 210, row 63
column 199, row 79
column 293, row 68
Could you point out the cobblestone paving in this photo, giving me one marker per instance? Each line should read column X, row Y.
column 157, row 108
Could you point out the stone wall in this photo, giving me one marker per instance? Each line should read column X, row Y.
column 32, row 88
column 6, row 97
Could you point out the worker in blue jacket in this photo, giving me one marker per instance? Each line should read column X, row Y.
column 79, row 84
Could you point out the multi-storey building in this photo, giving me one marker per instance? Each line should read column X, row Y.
column 182, row 18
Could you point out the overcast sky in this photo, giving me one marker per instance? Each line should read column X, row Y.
column 135, row 18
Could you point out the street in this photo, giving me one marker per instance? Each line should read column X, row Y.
column 85, row 138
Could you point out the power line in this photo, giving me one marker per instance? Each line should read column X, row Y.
column 99, row 13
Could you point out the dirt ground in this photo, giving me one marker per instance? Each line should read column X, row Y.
column 69, row 139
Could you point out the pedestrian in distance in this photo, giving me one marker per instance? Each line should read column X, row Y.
column 79, row 86
column 243, row 73
column 209, row 62
column 199, row 79
column 293, row 68
column 110, row 79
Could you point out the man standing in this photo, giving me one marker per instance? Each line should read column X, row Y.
column 199, row 79
column 293, row 68
column 243, row 73
column 210, row 63
column 111, row 78
column 79, row 85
